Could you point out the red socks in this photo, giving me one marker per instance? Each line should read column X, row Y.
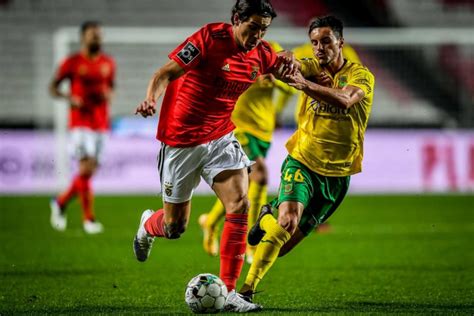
column 154, row 225
column 233, row 245
column 81, row 186
column 69, row 194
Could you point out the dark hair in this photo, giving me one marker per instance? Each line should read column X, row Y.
column 246, row 8
column 328, row 21
column 89, row 24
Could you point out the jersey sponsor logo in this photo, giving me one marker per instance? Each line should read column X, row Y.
column 226, row 67
column 325, row 108
column 188, row 53
column 230, row 89
column 254, row 72
column 220, row 34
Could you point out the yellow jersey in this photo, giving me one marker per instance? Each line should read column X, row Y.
column 329, row 140
column 306, row 51
column 255, row 111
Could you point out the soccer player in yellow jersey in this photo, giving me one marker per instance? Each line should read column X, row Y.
column 306, row 51
column 254, row 117
column 325, row 150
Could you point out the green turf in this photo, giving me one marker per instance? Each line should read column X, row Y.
column 385, row 255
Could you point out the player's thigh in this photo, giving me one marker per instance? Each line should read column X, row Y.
column 295, row 184
column 329, row 192
column 224, row 156
column 179, row 172
column 231, row 187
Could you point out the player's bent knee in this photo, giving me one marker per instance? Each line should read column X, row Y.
column 239, row 207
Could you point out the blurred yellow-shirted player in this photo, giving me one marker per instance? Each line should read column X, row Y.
column 254, row 117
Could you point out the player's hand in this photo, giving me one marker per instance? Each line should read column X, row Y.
column 75, row 101
column 287, row 65
column 324, row 79
column 297, row 81
column 146, row 108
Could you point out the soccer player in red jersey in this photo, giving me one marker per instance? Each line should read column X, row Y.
column 203, row 80
column 91, row 75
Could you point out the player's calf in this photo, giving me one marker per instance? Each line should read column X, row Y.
column 256, row 233
column 174, row 230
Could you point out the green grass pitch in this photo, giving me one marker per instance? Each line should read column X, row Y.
column 385, row 255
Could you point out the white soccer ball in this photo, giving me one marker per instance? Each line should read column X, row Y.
column 206, row 293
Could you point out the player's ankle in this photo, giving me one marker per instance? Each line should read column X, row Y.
column 245, row 288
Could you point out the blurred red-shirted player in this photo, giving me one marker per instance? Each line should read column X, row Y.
column 203, row 80
column 91, row 75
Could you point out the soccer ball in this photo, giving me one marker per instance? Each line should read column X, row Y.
column 206, row 293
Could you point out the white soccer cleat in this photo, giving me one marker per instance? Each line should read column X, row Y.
column 58, row 219
column 143, row 241
column 92, row 228
column 236, row 303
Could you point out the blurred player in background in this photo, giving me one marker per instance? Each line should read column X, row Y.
column 325, row 150
column 306, row 51
column 91, row 75
column 254, row 116
column 203, row 79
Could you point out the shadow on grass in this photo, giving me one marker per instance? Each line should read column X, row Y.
column 364, row 307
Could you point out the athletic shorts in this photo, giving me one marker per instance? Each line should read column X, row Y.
column 320, row 195
column 86, row 143
column 254, row 147
column 181, row 169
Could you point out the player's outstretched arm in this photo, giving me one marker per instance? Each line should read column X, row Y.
column 57, row 93
column 158, row 83
column 343, row 98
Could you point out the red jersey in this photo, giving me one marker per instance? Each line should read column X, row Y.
column 91, row 80
column 197, row 107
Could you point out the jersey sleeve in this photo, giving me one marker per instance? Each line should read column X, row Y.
column 190, row 53
column 363, row 79
column 309, row 67
column 269, row 58
column 65, row 70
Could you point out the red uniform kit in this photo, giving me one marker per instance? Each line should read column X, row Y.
column 91, row 81
column 197, row 107
column 195, row 129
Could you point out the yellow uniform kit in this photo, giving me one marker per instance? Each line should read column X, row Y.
column 329, row 139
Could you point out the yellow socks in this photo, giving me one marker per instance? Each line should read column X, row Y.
column 216, row 214
column 255, row 197
column 267, row 251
